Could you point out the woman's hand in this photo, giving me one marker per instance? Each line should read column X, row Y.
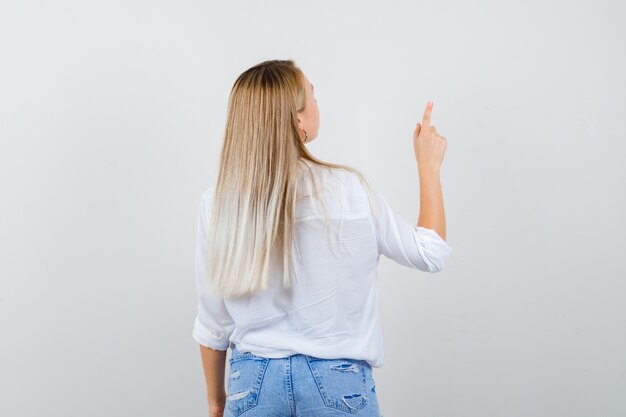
column 429, row 146
column 216, row 410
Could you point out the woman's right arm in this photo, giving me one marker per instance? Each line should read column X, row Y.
column 429, row 149
column 420, row 246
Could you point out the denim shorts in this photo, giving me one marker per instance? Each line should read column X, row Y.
column 299, row 386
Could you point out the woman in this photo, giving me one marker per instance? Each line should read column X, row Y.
column 287, row 255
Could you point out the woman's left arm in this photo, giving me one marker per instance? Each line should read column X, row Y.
column 214, row 363
column 213, row 325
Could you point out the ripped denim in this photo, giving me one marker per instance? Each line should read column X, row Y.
column 299, row 386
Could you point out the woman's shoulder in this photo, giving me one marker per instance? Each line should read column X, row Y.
column 343, row 188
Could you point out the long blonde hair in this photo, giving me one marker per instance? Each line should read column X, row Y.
column 253, row 206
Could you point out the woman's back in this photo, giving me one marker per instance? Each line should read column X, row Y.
column 331, row 308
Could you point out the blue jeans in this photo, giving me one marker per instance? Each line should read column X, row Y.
column 299, row 386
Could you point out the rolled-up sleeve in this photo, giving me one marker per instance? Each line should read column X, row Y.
column 213, row 325
column 405, row 243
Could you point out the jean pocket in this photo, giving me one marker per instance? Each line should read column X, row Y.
column 342, row 383
column 244, row 381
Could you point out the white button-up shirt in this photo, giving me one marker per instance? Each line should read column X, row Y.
column 331, row 309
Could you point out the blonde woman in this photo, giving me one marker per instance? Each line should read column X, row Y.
column 287, row 253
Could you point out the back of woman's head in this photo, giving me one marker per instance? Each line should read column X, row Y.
column 255, row 195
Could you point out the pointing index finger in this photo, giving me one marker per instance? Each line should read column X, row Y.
column 427, row 112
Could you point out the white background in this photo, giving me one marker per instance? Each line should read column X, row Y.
column 111, row 120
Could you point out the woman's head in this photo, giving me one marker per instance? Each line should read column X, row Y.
column 273, row 98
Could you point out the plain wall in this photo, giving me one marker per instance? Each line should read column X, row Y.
column 111, row 121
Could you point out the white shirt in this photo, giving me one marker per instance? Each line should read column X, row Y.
column 331, row 311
